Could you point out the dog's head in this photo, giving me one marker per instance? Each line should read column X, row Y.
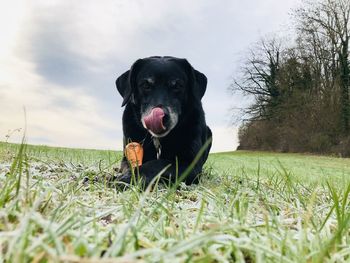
column 161, row 88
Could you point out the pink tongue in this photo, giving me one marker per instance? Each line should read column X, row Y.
column 154, row 120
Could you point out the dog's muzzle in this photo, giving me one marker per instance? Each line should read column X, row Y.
column 159, row 121
column 154, row 121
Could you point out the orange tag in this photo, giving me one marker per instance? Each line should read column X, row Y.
column 134, row 153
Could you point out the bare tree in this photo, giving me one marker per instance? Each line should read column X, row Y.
column 326, row 24
column 301, row 93
column 259, row 78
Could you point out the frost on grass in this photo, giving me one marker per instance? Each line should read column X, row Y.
column 50, row 212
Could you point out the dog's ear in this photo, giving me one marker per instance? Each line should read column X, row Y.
column 123, row 86
column 200, row 84
column 126, row 83
column 198, row 79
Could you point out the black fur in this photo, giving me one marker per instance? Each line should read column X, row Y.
column 183, row 142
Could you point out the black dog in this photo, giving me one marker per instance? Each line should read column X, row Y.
column 164, row 113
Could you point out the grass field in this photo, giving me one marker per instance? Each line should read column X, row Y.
column 249, row 207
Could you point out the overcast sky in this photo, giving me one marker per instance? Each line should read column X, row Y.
column 59, row 60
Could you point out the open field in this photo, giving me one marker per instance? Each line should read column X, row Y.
column 249, row 207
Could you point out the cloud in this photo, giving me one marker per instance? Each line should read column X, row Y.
column 62, row 58
column 63, row 117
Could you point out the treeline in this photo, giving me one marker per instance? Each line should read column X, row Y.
column 300, row 89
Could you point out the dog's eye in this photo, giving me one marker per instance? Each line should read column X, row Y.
column 176, row 86
column 145, row 86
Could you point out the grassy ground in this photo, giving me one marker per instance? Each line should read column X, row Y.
column 249, row 207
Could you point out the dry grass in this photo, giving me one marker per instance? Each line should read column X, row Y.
column 249, row 207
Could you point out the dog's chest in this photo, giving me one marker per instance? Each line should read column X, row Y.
column 172, row 149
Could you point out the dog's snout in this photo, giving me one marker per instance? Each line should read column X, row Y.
column 154, row 120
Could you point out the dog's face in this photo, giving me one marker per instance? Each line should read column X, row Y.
column 161, row 89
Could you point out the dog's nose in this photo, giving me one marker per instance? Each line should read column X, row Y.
column 159, row 106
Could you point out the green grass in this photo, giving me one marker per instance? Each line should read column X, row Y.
column 248, row 207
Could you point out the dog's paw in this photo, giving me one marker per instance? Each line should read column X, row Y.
column 120, row 181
